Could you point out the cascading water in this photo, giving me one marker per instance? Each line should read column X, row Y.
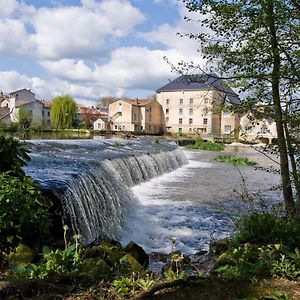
column 92, row 179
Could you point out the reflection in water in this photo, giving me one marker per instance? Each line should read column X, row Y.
column 186, row 203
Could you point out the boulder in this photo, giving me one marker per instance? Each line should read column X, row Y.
column 135, row 266
column 95, row 267
column 138, row 253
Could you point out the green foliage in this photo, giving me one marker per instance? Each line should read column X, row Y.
column 24, row 118
column 145, row 283
column 285, row 267
column 277, row 295
column 63, row 112
column 262, row 246
column 209, row 146
column 235, row 160
column 13, row 156
column 124, row 286
column 23, row 212
column 262, row 228
column 171, row 275
column 54, row 262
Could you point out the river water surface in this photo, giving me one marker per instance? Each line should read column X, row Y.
column 188, row 204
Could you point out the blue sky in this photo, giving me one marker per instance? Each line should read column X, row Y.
column 92, row 48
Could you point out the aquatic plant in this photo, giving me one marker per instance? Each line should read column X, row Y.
column 235, row 160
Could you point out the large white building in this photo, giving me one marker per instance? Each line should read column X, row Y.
column 198, row 104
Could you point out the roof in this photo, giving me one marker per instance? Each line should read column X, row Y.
column 138, row 102
column 25, row 102
column 22, row 90
column 200, row 82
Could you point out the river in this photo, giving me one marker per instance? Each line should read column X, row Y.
column 196, row 203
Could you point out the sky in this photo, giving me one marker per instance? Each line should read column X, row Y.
column 92, row 48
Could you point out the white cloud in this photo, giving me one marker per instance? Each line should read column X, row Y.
column 88, row 31
column 13, row 37
column 7, row 7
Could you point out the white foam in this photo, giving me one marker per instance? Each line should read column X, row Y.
column 158, row 217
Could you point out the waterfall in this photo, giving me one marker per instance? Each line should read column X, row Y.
column 95, row 192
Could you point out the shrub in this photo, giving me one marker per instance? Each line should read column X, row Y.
column 202, row 145
column 23, row 212
column 13, row 156
column 262, row 228
column 235, row 160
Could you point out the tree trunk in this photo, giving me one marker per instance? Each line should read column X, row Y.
column 284, row 163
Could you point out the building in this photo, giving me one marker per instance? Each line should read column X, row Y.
column 255, row 130
column 138, row 116
column 198, row 104
column 101, row 124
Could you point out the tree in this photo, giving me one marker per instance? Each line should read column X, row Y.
column 256, row 45
column 106, row 101
column 24, row 118
column 13, row 156
column 63, row 112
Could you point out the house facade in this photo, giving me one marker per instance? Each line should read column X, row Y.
column 196, row 105
column 257, row 130
column 139, row 116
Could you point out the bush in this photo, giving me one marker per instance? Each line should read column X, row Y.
column 235, row 160
column 23, row 212
column 201, row 145
column 263, row 228
column 13, row 156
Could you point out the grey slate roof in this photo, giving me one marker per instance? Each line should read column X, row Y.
column 200, row 82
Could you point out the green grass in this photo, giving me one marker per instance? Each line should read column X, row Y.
column 209, row 146
column 235, row 160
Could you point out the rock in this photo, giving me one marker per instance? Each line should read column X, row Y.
column 95, row 267
column 219, row 246
column 22, row 254
column 104, row 239
column 111, row 254
column 132, row 262
column 138, row 253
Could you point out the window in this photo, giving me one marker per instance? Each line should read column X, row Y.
column 205, row 111
column 167, row 119
column 167, row 101
column 191, row 111
column 48, row 113
column 167, row 111
column 191, row 100
column 264, row 129
column 180, row 111
column 227, row 129
column 180, row 121
column 190, row 130
column 205, row 121
column 205, row 100
column 190, row 121
column 226, row 114
column 43, row 113
column 180, row 131
column 181, row 101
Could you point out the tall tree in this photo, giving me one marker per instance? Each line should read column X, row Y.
column 24, row 118
column 63, row 112
column 256, row 45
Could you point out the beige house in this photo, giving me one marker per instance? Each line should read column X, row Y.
column 139, row 116
column 254, row 130
column 194, row 104
column 101, row 124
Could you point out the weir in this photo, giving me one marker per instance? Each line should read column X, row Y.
column 92, row 179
